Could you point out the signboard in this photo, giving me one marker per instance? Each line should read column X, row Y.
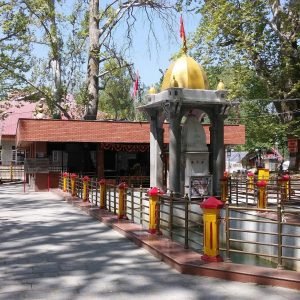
column 263, row 174
column 293, row 145
column 200, row 186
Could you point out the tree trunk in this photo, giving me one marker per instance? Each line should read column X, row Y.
column 93, row 62
column 55, row 57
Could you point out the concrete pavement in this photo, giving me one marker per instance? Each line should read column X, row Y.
column 52, row 250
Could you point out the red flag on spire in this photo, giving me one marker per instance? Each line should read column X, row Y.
column 136, row 84
column 182, row 34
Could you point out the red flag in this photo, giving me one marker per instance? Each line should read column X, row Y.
column 182, row 34
column 136, row 84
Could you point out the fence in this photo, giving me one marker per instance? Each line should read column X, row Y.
column 242, row 189
column 270, row 234
column 12, row 173
column 269, row 237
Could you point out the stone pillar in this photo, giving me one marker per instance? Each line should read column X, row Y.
column 156, row 150
column 174, row 151
column 217, row 150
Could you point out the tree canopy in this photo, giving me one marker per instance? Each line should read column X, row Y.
column 262, row 35
column 41, row 47
column 253, row 46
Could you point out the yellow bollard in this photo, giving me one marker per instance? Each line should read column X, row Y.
column 262, row 194
column 65, row 181
column 122, row 192
column 85, row 192
column 224, row 187
column 102, row 193
column 250, row 178
column 211, row 214
column 73, row 185
column 153, row 194
column 285, row 187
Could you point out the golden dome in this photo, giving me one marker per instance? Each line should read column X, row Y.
column 185, row 72
column 152, row 90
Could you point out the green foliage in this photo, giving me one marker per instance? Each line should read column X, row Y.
column 253, row 46
column 263, row 126
column 115, row 99
column 256, row 34
column 33, row 35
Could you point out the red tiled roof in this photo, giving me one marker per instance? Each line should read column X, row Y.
column 32, row 130
column 17, row 110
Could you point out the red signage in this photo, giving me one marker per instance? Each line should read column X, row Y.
column 293, row 145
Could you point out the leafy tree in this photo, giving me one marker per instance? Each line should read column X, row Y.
column 14, row 49
column 263, row 38
column 263, row 35
column 41, row 26
column 115, row 98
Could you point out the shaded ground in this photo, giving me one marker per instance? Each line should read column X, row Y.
column 51, row 250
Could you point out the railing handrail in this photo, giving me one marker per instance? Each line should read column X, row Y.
column 180, row 222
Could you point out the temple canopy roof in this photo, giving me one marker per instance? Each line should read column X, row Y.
column 185, row 72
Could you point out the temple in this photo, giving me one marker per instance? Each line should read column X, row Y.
column 185, row 102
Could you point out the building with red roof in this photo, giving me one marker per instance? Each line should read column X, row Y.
column 107, row 149
column 12, row 112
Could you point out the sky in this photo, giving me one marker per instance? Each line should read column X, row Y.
column 150, row 57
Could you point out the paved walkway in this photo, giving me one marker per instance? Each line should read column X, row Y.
column 52, row 250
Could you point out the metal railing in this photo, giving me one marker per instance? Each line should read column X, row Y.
column 271, row 234
column 241, row 190
column 12, row 173
column 181, row 220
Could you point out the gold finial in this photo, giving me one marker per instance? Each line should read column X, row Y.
column 174, row 82
column 152, row 90
column 221, row 85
